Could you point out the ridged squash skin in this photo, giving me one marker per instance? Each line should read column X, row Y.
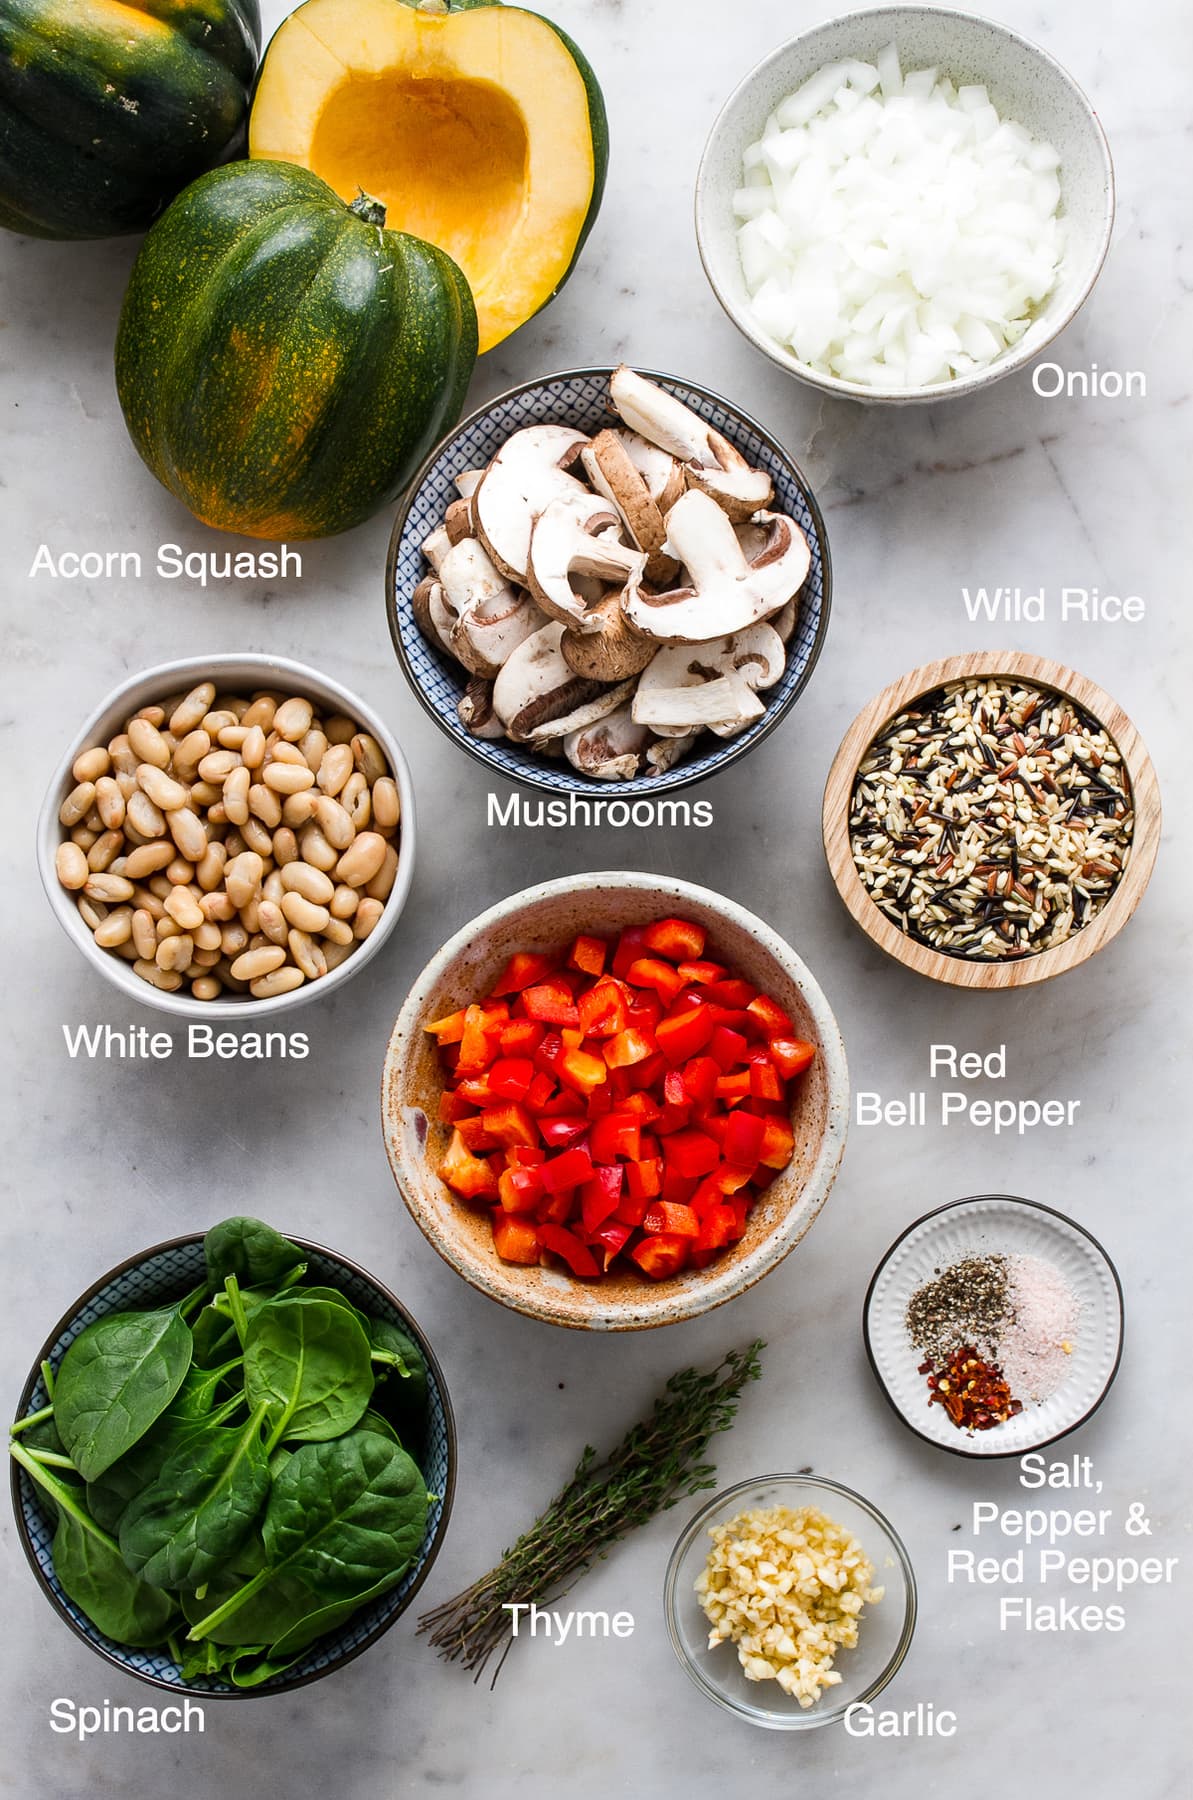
column 284, row 363
column 108, row 108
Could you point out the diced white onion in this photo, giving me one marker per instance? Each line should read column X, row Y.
column 893, row 229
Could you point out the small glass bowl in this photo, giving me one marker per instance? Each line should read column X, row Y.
column 885, row 1630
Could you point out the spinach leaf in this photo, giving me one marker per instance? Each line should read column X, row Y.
column 92, row 1572
column 373, row 1421
column 181, row 1530
column 209, row 1658
column 44, row 1436
column 327, row 1618
column 255, row 1253
column 115, row 1380
column 308, row 1362
column 401, row 1392
column 340, row 1518
column 214, row 1337
column 197, row 1395
column 117, row 1487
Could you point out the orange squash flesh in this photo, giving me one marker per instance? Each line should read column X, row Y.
column 471, row 128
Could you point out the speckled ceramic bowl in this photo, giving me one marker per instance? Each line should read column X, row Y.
column 546, row 918
column 580, row 398
column 1024, row 83
column 153, row 1278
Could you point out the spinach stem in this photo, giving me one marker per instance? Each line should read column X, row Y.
column 33, row 1418
column 51, row 1460
column 47, row 1375
column 239, row 1317
column 194, row 1301
column 231, row 1605
column 62, row 1495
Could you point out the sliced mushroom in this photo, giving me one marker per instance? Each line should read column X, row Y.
column 457, row 520
column 432, row 614
column 666, row 751
column 467, row 482
column 562, row 545
column 536, row 685
column 724, row 592
column 582, row 716
column 609, row 468
column 784, row 622
column 611, row 650
column 491, row 617
column 524, row 477
column 662, row 472
column 709, row 685
column 713, row 464
column 475, row 710
column 436, row 547
column 610, row 750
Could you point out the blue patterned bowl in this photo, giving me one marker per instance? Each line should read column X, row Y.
column 165, row 1273
column 580, row 398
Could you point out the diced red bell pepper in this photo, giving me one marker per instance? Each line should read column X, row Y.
column 692, row 1153
column 522, row 970
column 541, row 1092
column 603, row 1009
column 771, row 1015
column 717, row 1227
column 546, row 1057
column 617, row 1134
column 609, row 1240
column 567, row 1170
column 677, row 1187
column 644, row 1179
column 629, row 1046
column 653, row 972
column 660, row 1257
column 791, row 1056
column 778, row 1143
column 453, row 1107
column 515, row 1239
column 701, row 973
column 630, row 946
column 679, row 940
column 482, row 1035
column 730, row 1177
column 511, row 1077
column 700, row 1077
column 631, row 1209
column 510, row 1124
column 556, row 1209
column 476, row 1135
column 600, row 1197
column 577, row 1256
column 727, row 1048
column 588, row 955
column 681, row 1036
column 466, row 1174
column 744, row 1134
column 558, row 1132
column 732, row 992
column 519, row 1190
column 765, row 1081
column 734, row 1087
column 448, row 1030
column 551, row 1003
column 476, row 1090
column 581, row 1071
column 665, row 1218
column 521, row 1037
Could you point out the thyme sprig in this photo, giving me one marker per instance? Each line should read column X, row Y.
column 656, row 1464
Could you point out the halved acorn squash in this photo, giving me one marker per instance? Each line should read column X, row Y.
column 480, row 128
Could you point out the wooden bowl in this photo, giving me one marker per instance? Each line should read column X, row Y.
column 547, row 918
column 960, row 971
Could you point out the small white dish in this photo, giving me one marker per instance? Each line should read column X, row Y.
column 230, row 672
column 1024, row 83
column 991, row 1224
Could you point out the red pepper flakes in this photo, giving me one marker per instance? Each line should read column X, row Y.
column 973, row 1392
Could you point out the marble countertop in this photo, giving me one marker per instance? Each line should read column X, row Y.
column 103, row 1159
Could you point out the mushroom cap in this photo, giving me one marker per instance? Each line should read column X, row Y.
column 609, row 468
column 562, row 545
column 525, row 476
column 613, row 650
column 724, row 592
column 535, row 684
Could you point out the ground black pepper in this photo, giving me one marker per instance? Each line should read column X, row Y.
column 967, row 1303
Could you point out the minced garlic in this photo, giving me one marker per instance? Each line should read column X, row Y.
column 787, row 1586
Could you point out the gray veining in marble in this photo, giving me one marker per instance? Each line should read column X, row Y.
column 1005, row 488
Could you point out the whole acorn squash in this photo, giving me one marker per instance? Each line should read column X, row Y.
column 479, row 126
column 284, row 362
column 108, row 108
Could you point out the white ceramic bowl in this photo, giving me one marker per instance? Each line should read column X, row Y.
column 230, row 672
column 1024, row 83
column 546, row 918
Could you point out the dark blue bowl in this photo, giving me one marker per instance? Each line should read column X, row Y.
column 580, row 397
column 166, row 1273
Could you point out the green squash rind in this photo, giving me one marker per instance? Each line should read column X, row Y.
column 94, row 144
column 284, row 367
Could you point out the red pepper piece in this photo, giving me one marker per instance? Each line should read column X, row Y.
column 679, row 940
column 521, row 1037
column 731, row 992
column 644, row 1178
column 744, row 1135
column 681, row 1036
column 791, row 1056
column 630, row 946
column 717, row 1227
column 700, row 1077
column 474, row 1132
column 556, row 1209
column 519, row 1190
column 581, row 1071
column 653, row 972
column 541, row 1092
column 567, row 1170
column 448, row 1030
column 511, row 1077
column 603, row 1009
column 665, row 1218
column 557, row 1133
column 609, row 1240
column 588, row 955
column 677, row 1187
column 727, row 1048
column 629, row 1046
column 465, row 1173
column 692, row 1153
column 778, row 1144
column 566, row 1244
column 481, row 1037
column 453, row 1107
column 600, row 1197
column 631, row 1208
column 476, row 1090
column 765, row 1081
column 771, row 1015
column 734, row 1087
column 515, row 1239
column 618, row 1134
column 522, row 970
column 510, row 1124
column 660, row 1257
column 551, row 1003
column 701, row 973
